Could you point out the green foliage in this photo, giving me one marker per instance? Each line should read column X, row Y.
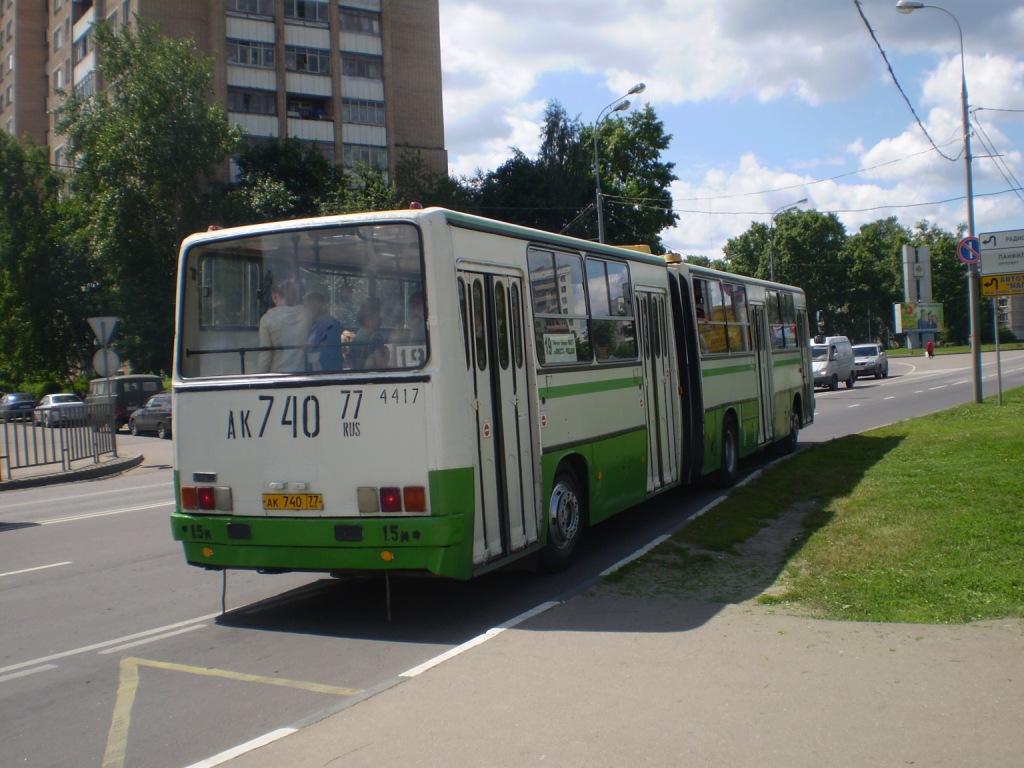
column 142, row 147
column 41, row 326
column 556, row 190
column 280, row 179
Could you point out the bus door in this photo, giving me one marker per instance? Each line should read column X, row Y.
column 660, row 398
column 506, row 510
column 765, row 374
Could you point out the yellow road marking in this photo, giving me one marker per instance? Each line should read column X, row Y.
column 128, row 684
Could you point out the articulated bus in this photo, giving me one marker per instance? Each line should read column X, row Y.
column 485, row 392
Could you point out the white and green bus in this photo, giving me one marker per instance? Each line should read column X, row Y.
column 428, row 392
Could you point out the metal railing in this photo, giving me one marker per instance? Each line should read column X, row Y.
column 79, row 434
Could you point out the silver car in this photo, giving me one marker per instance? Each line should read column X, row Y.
column 62, row 408
column 870, row 359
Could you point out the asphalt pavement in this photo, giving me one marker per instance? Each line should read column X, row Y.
column 608, row 680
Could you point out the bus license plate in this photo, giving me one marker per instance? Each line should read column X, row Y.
column 293, row 501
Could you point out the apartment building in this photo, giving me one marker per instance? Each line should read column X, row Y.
column 360, row 79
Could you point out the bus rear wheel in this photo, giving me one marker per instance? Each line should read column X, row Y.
column 729, row 461
column 792, row 438
column 565, row 521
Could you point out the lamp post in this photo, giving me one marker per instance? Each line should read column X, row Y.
column 619, row 105
column 771, row 234
column 973, row 292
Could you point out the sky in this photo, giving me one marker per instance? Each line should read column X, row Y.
column 768, row 102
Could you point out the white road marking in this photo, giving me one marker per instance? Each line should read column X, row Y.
column 153, row 639
column 27, row 672
column 37, row 568
column 87, row 515
column 107, row 643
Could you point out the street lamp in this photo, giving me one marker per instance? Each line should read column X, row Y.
column 771, row 234
column 619, row 105
column 973, row 295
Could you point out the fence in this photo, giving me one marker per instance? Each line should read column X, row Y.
column 78, row 434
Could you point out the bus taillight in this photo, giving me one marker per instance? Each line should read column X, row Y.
column 415, row 497
column 391, row 499
column 206, row 498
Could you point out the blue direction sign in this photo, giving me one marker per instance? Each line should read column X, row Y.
column 968, row 250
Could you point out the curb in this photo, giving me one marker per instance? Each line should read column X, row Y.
column 112, row 467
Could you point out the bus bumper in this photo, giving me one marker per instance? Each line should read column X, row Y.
column 437, row 545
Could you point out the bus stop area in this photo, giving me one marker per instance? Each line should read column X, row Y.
column 612, row 680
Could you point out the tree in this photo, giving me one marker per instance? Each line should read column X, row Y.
column 42, row 331
column 809, row 249
column 280, row 179
column 142, row 147
column 634, row 181
column 555, row 190
column 876, row 263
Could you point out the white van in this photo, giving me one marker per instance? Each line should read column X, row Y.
column 832, row 361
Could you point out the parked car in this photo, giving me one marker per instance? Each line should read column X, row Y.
column 154, row 416
column 123, row 393
column 15, row 406
column 62, row 408
column 870, row 359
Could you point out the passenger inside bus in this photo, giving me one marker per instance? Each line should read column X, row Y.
column 284, row 330
column 325, row 336
column 366, row 340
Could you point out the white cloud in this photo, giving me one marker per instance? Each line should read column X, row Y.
column 735, row 63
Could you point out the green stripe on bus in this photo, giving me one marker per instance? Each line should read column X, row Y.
column 727, row 369
column 588, row 387
column 788, row 361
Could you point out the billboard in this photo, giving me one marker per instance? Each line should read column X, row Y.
column 918, row 317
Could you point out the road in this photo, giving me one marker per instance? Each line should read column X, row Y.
column 115, row 653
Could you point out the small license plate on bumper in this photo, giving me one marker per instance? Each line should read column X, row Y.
column 293, row 501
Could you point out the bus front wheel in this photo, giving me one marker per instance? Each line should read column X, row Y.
column 565, row 522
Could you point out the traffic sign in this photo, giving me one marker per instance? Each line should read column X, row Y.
column 1002, row 253
column 968, row 250
column 103, row 327
column 105, row 362
column 1002, row 285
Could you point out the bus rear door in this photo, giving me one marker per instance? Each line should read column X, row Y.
column 660, row 399
column 506, row 510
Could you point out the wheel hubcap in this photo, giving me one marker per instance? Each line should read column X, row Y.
column 564, row 514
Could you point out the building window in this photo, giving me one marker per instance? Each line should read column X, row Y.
column 362, row 111
column 256, row 7
column 309, row 107
column 249, row 53
column 306, row 10
column 252, row 102
column 82, row 46
column 365, row 154
column 364, row 22
column 361, row 65
column 315, row 61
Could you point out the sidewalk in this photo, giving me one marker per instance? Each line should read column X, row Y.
column 83, row 469
column 609, row 680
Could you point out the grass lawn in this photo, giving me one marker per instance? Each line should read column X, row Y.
column 920, row 521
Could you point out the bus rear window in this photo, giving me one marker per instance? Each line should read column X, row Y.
column 320, row 299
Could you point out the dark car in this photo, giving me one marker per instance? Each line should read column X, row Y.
column 154, row 416
column 16, row 406
column 62, row 408
column 123, row 393
column 870, row 359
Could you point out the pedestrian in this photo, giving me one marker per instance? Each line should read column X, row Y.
column 929, row 349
